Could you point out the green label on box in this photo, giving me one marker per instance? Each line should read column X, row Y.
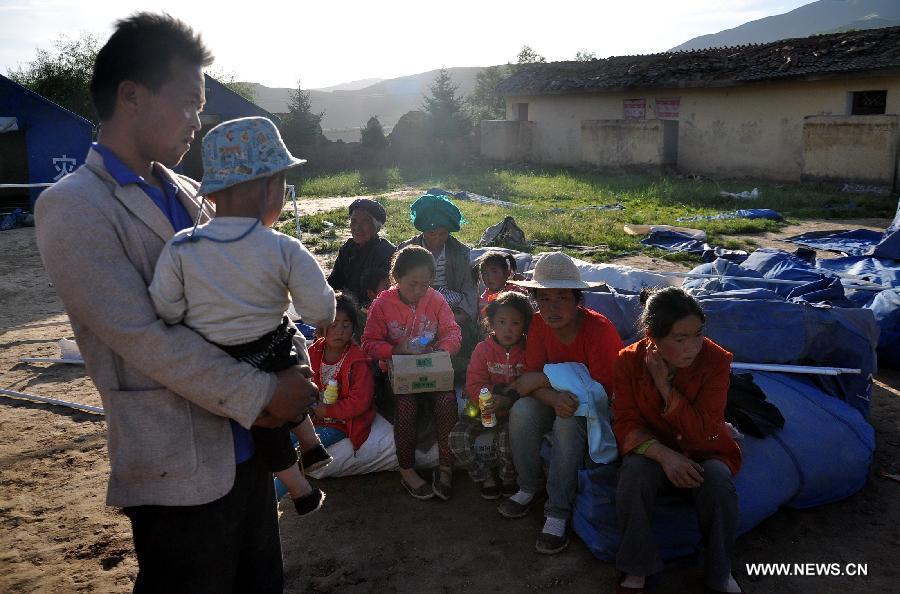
column 426, row 362
column 424, row 382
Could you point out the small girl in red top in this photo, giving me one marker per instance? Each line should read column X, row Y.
column 334, row 356
column 499, row 359
column 411, row 318
column 668, row 408
column 495, row 268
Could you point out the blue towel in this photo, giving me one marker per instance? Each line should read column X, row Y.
column 593, row 405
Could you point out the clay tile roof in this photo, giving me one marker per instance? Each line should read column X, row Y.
column 872, row 49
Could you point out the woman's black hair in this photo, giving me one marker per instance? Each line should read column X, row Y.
column 412, row 256
column 664, row 307
column 142, row 49
column 505, row 261
column 348, row 305
column 512, row 299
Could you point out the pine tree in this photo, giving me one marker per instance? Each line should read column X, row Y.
column 447, row 120
column 372, row 136
column 301, row 127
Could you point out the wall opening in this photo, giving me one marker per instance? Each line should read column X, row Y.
column 868, row 102
column 13, row 170
column 522, row 112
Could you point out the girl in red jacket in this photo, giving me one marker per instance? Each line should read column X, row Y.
column 334, row 356
column 411, row 318
column 668, row 409
column 495, row 269
column 499, row 359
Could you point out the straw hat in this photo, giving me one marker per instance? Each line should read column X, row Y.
column 555, row 270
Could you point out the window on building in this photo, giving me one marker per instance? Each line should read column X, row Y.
column 522, row 112
column 868, row 102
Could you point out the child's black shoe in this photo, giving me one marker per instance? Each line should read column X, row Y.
column 310, row 502
column 489, row 492
column 315, row 458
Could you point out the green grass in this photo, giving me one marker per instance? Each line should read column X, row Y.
column 548, row 201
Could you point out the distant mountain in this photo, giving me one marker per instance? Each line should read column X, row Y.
column 353, row 85
column 823, row 16
column 347, row 111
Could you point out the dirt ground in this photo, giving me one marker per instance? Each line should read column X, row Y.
column 56, row 534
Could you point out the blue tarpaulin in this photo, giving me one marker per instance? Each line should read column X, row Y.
column 674, row 241
column 853, row 243
column 744, row 213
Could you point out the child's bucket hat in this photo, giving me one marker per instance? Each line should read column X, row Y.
column 242, row 150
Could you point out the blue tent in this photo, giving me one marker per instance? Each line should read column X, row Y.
column 39, row 140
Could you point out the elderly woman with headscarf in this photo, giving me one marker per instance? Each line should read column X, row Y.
column 437, row 217
column 365, row 250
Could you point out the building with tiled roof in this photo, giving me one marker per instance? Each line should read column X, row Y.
column 821, row 107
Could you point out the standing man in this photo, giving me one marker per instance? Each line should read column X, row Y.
column 178, row 409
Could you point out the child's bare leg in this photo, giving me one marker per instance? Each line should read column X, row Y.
column 295, row 482
column 306, row 435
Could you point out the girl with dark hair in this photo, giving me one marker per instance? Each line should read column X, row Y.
column 496, row 362
column 411, row 318
column 668, row 417
column 334, row 356
column 495, row 268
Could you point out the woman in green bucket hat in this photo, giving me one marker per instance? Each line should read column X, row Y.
column 437, row 217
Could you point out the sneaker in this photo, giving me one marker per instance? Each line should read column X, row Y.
column 315, row 458
column 489, row 492
column 422, row 493
column 518, row 505
column 509, row 489
column 553, row 538
column 440, row 488
column 310, row 502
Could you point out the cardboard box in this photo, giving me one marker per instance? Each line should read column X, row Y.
column 413, row 374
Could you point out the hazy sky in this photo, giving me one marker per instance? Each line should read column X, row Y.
column 329, row 42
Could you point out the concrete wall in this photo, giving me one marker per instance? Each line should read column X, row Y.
column 753, row 130
column 622, row 143
column 857, row 148
column 504, row 140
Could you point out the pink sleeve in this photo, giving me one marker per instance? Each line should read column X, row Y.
column 374, row 339
column 477, row 375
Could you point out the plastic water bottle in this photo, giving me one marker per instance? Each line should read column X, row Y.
column 331, row 393
column 418, row 344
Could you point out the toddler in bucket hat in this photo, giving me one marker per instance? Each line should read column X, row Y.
column 232, row 279
column 241, row 150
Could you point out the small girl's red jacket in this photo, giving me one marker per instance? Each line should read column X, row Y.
column 356, row 389
column 492, row 364
column 391, row 322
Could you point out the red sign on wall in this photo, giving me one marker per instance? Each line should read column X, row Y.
column 634, row 109
column 668, row 109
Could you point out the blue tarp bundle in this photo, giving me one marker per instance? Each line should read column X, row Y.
column 853, row 243
column 822, row 455
column 744, row 213
column 674, row 241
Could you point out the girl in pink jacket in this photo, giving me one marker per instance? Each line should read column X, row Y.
column 497, row 360
column 411, row 318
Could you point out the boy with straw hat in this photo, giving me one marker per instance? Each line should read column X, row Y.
column 231, row 280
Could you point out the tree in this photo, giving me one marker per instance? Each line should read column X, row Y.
column 529, row 56
column 372, row 136
column 227, row 78
column 585, row 56
column 447, row 120
column 63, row 75
column 301, row 127
column 485, row 102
